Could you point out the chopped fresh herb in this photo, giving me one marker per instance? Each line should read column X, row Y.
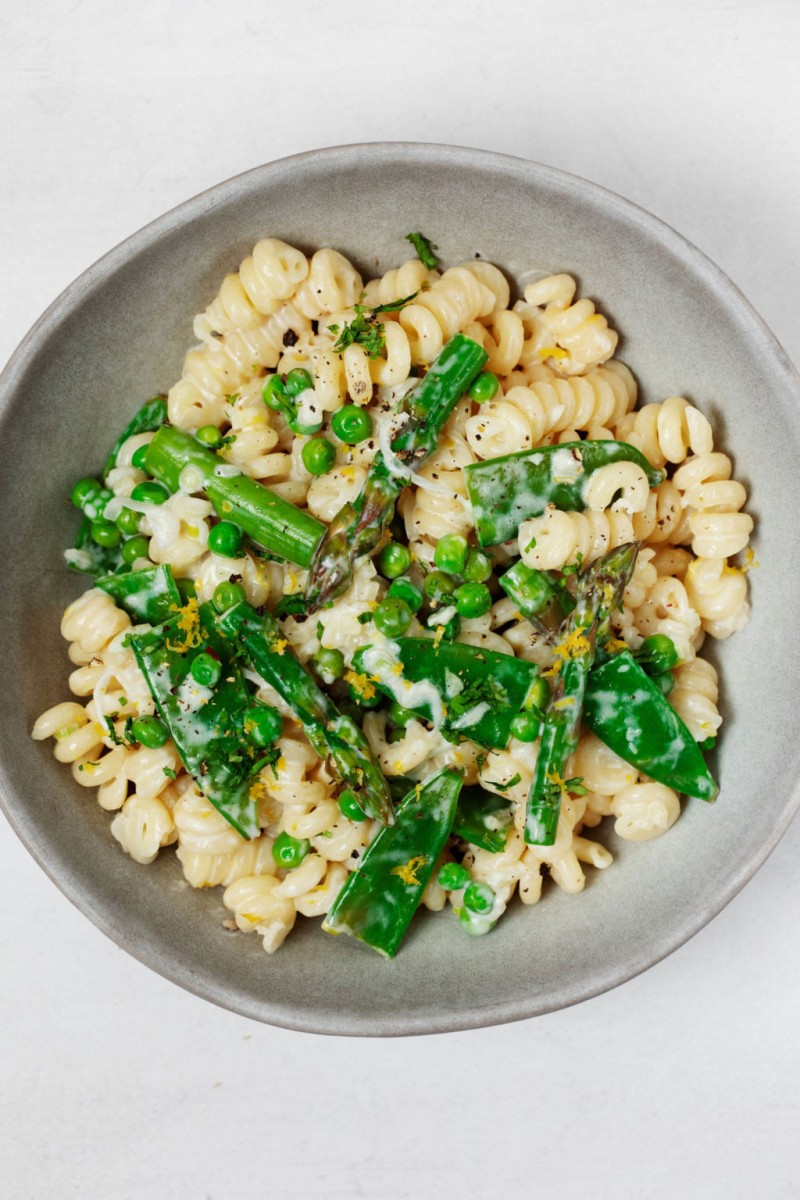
column 227, row 441
column 364, row 618
column 320, row 632
column 425, row 249
column 365, row 329
column 112, row 733
column 503, row 787
column 232, row 398
column 530, row 546
column 168, row 771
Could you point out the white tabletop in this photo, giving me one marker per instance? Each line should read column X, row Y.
column 116, row 1083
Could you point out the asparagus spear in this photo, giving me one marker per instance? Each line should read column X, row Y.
column 332, row 734
column 266, row 517
column 380, row 897
column 358, row 528
column 600, row 590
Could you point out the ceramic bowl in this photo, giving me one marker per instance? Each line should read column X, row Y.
column 118, row 335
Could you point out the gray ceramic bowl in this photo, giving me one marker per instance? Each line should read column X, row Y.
column 119, row 333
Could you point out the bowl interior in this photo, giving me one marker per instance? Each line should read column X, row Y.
column 119, row 334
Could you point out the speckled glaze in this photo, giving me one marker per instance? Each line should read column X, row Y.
column 119, row 333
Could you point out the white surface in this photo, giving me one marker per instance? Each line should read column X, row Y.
column 114, row 1082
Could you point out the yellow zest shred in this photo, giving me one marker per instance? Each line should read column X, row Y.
column 278, row 646
column 189, row 624
column 575, row 645
column 408, row 871
column 558, row 782
column 615, row 646
column 750, row 560
column 361, row 684
column 439, row 635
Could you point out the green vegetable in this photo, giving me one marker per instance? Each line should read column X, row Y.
column 226, row 594
column 263, row 724
column 90, row 497
column 481, row 690
column 359, row 527
column 392, row 617
column 478, row 567
column 450, row 554
column 483, row 818
column 453, row 877
column 506, row 491
column 299, row 380
column 226, row 539
column 271, row 521
column 206, row 670
column 288, row 851
column 351, row 424
column 425, row 249
column 349, row 806
column 531, row 590
column 209, row 436
column 277, row 397
column 318, row 456
column 134, row 548
column 599, row 592
column 657, row 654
column 329, row 664
column 526, row 726
column 379, row 899
column 438, row 586
column 394, row 560
column 149, row 595
column 139, row 457
column 150, row 732
column 205, row 723
column 627, row 711
column 472, row 600
column 404, row 589
column 128, row 522
column 151, row 416
column 479, row 897
column 150, row 493
column 332, row 734
column 105, row 533
column 484, row 388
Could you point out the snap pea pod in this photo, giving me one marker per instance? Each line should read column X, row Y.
column 537, row 595
column 465, row 690
column 380, row 897
column 359, row 527
column 272, row 522
column 600, row 590
column 624, row 707
column 482, row 818
column 151, row 416
column 332, row 734
column 206, row 723
column 87, row 557
column 506, row 491
column 149, row 595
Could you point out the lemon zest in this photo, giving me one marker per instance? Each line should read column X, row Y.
column 408, row 871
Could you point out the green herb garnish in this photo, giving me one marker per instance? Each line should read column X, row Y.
column 425, row 250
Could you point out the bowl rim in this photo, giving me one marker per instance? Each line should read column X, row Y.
column 324, row 1021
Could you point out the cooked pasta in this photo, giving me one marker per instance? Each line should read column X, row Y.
column 290, row 350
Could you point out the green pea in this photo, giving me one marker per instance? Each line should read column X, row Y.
column 349, row 806
column 450, row 554
column 478, row 567
column 263, row 724
column 479, row 897
column 539, row 694
column 526, row 726
column 437, row 586
column 288, row 851
column 83, row 490
column 150, row 732
column 363, row 701
column 226, row 539
column 329, row 664
column 472, row 599
column 394, row 560
column 150, row 493
column 392, row 617
column 274, row 393
column 186, row 590
column 105, row 533
column 664, row 681
column 139, row 458
column 209, row 436
column 206, row 670
column 400, row 716
column 128, row 522
column 227, row 594
column 351, row 424
column 318, row 456
column 135, row 547
column 298, row 380
column 484, row 387
column 659, row 653
column 452, row 877
column 404, row 589
column 708, row 743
